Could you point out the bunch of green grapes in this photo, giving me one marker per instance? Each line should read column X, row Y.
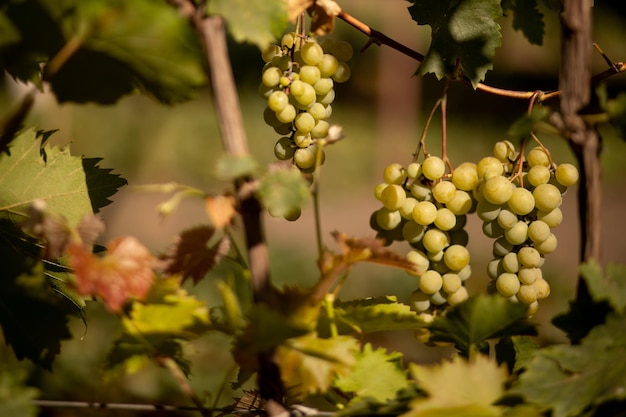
column 428, row 208
column 519, row 205
column 298, row 84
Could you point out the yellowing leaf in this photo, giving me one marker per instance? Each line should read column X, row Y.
column 459, row 388
column 323, row 14
column 221, row 210
column 296, row 7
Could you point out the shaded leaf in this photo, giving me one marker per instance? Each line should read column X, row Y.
column 610, row 285
column 527, row 18
column 516, row 352
column 16, row 398
column 191, row 256
column 616, row 108
column 101, row 183
column 234, row 318
column 231, row 167
column 480, row 318
column 459, row 388
column 283, row 191
column 390, row 376
column 522, row 127
column 463, row 31
column 572, row 379
column 258, row 22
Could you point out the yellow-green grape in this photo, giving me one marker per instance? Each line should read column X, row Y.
column 269, row 117
column 419, row 301
column 465, row 176
column 288, row 40
column 547, row 246
column 420, row 259
column 287, row 115
column 433, row 168
column 323, row 86
column 517, row 234
column 421, row 191
column 547, row 197
column 328, row 111
column 284, row 149
column 317, row 110
column 310, row 74
column 552, row 218
column 413, row 232
column 320, row 130
column 435, row 240
column 388, row 219
column 304, row 122
column 378, row 190
column 342, row 50
column 527, row 294
column 445, row 220
column 507, row 219
column 303, row 93
column 342, row 73
column 510, row 263
column 277, row 101
column 501, row 247
column 538, row 175
column 271, row 76
column 302, row 139
column 503, row 150
column 542, row 287
column 528, row 275
column 494, row 268
column 270, row 52
column 430, row 282
column 521, row 202
column 406, row 210
column 451, row 283
column 537, row 156
column 461, row 203
column 311, row 53
column 507, row 284
column 424, row 213
column 393, row 197
column 497, row 189
column 488, row 167
column 492, row 229
column 414, row 170
column 487, row 211
column 326, row 99
column 458, row 296
column 281, row 62
column 304, row 158
column 444, row 191
column 328, row 65
column 456, row 257
column 436, row 257
column 284, row 81
column 438, row 298
column 465, row 273
column 394, row 174
column 566, row 175
column 529, row 257
column 538, row 231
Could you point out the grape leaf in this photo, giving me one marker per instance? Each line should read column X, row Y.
column 571, row 379
column 480, row 318
column 390, row 375
column 8, row 33
column 616, row 108
column 464, row 32
column 523, row 126
column 516, row 352
column 50, row 174
column 459, row 388
column 259, row 22
column 309, row 364
column 283, row 191
column 610, row 286
column 16, row 399
column 232, row 167
column 526, row 18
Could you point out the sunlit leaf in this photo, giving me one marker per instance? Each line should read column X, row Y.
column 221, row 210
column 283, row 191
column 459, row 388
column 130, row 355
column 610, row 285
column 231, row 167
column 464, row 33
column 16, row 398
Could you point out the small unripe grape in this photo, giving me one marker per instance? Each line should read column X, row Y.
column 458, row 297
column 488, row 167
column 394, row 174
column 456, row 257
column 433, row 168
column 503, row 150
column 435, row 240
column 566, row 175
column 387, row 219
column 465, row 176
column 444, row 191
column 420, row 259
column 311, row 53
column 538, row 175
column 430, row 282
column 271, row 77
column 547, row 197
column 393, row 197
column 445, row 219
column 507, row 284
column 521, row 202
column 414, row 170
column 497, row 189
column 424, row 213
column 537, row 156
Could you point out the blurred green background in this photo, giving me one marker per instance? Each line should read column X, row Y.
column 382, row 110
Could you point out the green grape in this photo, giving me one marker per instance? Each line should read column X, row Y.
column 487, row 211
column 304, row 158
column 465, row 273
column 461, row 203
column 302, row 139
column 528, row 275
column 552, row 218
column 566, row 175
column 293, row 215
column 542, row 287
column 445, row 219
column 317, row 110
column 503, row 150
column 492, row 229
column 265, row 92
column 393, row 197
column 461, row 221
column 433, row 168
column 538, row 231
column 419, row 301
column 328, row 111
column 281, row 62
column 435, row 240
column 328, row 65
column 501, row 247
column 284, row 149
column 507, row 284
column 283, row 128
column 436, row 257
column 406, row 211
column 527, row 294
column 465, row 176
column 420, row 259
column 547, row 246
column 413, row 232
column 510, row 263
column 326, row 99
column 521, row 201
column 547, row 197
column 286, row 115
column 269, row 117
column 495, row 268
column 538, row 175
column 528, row 257
column 394, row 174
column 342, row 50
column 443, row 191
column 288, row 40
column 323, row 86
column 420, row 191
column 271, row 77
column 451, row 283
column 388, row 219
column 311, row 53
column 303, row 93
column 537, row 156
column 456, row 257
column 488, row 167
column 532, row 309
column 320, row 130
column 342, row 73
column 507, row 219
column 497, row 189
column 304, row 122
column 437, row 298
column 430, row 282
column 270, row 52
column 309, row 74
column 378, row 190
column 277, row 101
column 458, row 296
column 517, row 234
column 424, row 213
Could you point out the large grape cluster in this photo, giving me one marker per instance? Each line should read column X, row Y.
column 519, row 203
column 427, row 208
column 298, row 84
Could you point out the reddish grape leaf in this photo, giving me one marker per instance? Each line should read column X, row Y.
column 191, row 256
column 123, row 273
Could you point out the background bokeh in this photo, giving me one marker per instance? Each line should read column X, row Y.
column 382, row 110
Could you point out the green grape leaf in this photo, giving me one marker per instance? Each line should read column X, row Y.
column 522, row 127
column 232, row 167
column 610, row 285
column 50, row 174
column 516, row 352
column 464, row 32
column 616, row 109
column 283, row 191
column 387, row 367
column 8, row 33
column 459, row 388
column 527, row 18
column 570, row 379
column 479, row 319
column 16, row 399
column 309, row 364
column 258, row 22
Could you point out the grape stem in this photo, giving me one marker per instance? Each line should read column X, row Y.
column 421, row 146
column 444, row 125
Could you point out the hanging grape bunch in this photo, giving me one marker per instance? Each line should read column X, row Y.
column 519, row 201
column 297, row 82
column 427, row 208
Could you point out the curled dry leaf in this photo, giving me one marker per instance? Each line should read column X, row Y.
column 296, row 7
column 323, row 14
column 123, row 273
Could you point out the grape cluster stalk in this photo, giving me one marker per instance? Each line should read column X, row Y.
column 298, row 83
